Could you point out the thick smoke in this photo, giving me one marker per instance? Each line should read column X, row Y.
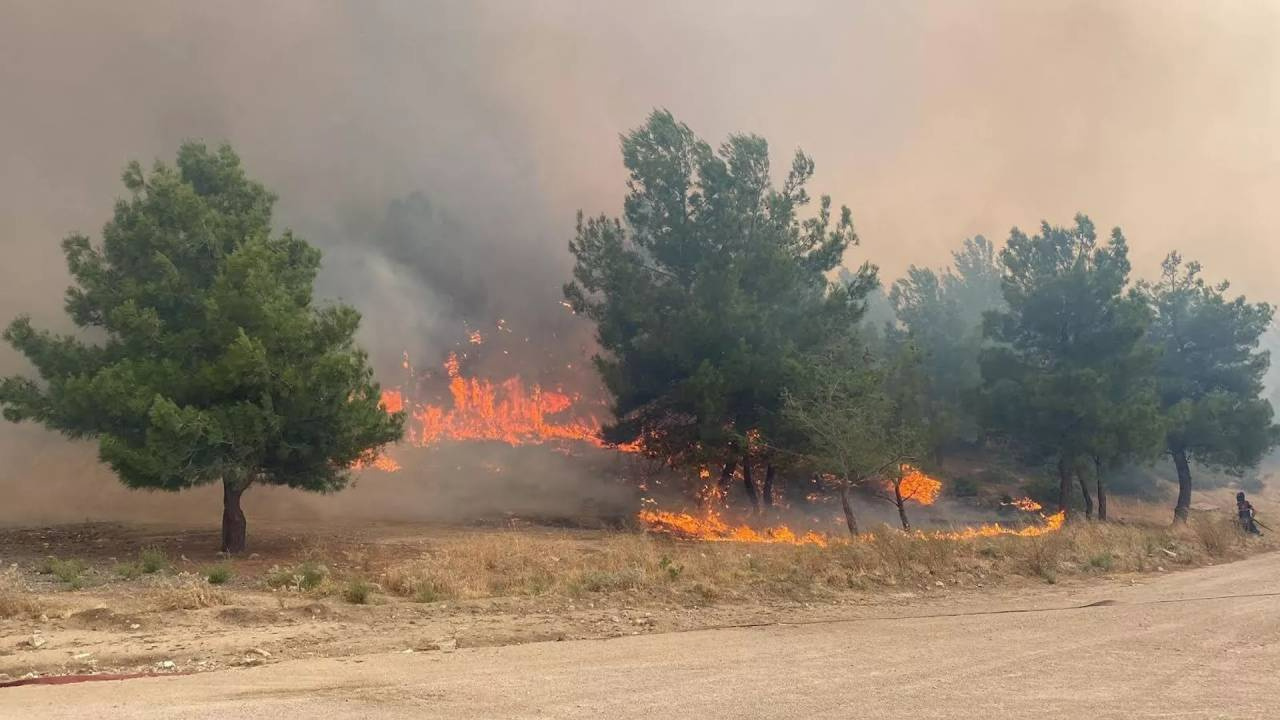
column 438, row 151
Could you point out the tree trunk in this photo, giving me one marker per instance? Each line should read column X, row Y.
column 1102, row 491
column 1064, row 487
column 234, row 527
column 902, row 505
column 767, row 491
column 748, row 483
column 726, row 475
column 1183, row 508
column 849, row 520
column 1084, row 490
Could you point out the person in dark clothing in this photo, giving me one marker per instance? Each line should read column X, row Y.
column 1244, row 509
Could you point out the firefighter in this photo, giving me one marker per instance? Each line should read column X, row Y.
column 1244, row 509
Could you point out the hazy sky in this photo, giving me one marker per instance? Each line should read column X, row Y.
column 932, row 121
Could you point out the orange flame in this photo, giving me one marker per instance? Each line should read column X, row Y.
column 710, row 526
column 1052, row 523
column 1026, row 504
column 508, row 411
column 919, row 487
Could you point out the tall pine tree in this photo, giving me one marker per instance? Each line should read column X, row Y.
column 205, row 358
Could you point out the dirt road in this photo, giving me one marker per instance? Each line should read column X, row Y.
column 1198, row 644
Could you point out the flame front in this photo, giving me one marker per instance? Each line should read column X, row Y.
column 507, row 411
column 710, row 526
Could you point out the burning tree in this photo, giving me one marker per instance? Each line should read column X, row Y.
column 708, row 295
column 211, row 363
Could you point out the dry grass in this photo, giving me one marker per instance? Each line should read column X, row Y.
column 187, row 592
column 15, row 599
column 514, row 563
column 1219, row 535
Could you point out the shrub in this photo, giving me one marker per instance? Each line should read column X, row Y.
column 128, row 570
column 69, row 571
column 1102, row 561
column 218, row 574
column 358, row 591
column 306, row 576
column 153, row 560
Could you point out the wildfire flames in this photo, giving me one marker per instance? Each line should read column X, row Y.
column 511, row 412
column 710, row 526
column 915, row 485
column 1026, row 504
column 919, row 487
column 507, row 411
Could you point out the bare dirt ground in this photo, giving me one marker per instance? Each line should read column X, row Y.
column 1201, row 643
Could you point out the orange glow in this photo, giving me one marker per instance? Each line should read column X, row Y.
column 506, row 411
column 1026, row 504
column 392, row 401
column 711, row 527
column 1052, row 523
column 919, row 487
column 381, row 463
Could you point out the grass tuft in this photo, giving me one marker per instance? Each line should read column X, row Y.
column 358, row 591
column 153, row 560
column 218, row 574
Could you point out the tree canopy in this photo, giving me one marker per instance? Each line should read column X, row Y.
column 708, row 291
column 1210, row 374
column 942, row 314
column 204, row 358
column 1067, row 363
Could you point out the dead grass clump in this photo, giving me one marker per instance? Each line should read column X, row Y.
column 418, row 582
column 187, row 592
column 15, row 599
column 1218, row 534
column 1041, row 556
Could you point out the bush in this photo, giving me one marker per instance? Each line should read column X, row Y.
column 306, row 576
column 153, row 560
column 218, row 574
column 1102, row 561
column 358, row 591
column 128, row 570
column 68, row 571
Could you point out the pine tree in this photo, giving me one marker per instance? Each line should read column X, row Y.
column 203, row 357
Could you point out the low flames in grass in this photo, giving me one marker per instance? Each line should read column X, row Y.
column 711, row 526
column 915, row 485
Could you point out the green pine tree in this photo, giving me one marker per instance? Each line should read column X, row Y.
column 204, row 358
column 1210, row 374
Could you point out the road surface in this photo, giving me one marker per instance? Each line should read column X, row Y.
column 1196, row 644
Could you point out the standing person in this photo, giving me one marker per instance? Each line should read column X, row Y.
column 1244, row 509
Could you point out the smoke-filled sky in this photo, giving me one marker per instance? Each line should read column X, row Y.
column 931, row 120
